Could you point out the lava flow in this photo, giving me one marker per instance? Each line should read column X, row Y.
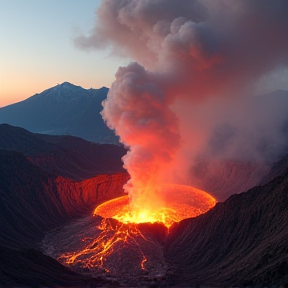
column 123, row 247
column 116, row 243
column 179, row 202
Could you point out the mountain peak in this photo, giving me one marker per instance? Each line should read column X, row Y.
column 66, row 85
column 62, row 109
column 65, row 91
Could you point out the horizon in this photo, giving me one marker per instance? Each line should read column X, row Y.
column 58, row 84
column 39, row 53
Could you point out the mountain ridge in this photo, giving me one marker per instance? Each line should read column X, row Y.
column 64, row 109
column 67, row 156
column 59, row 89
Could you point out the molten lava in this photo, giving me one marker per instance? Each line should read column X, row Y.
column 179, row 202
column 122, row 247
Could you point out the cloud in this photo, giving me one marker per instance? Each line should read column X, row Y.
column 192, row 56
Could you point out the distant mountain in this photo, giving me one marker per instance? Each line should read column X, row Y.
column 65, row 109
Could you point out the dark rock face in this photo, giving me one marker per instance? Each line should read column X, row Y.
column 35, row 197
column 31, row 268
column 34, row 201
column 65, row 109
column 67, row 156
column 239, row 243
column 242, row 241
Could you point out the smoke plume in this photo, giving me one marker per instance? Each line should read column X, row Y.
column 188, row 96
column 138, row 109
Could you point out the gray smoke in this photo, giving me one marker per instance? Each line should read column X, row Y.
column 194, row 103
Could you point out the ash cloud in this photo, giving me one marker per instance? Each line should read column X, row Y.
column 138, row 110
column 193, row 102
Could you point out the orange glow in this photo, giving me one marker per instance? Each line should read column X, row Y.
column 179, row 202
column 113, row 238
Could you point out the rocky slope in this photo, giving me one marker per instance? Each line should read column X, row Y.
column 31, row 268
column 242, row 241
column 68, row 156
column 37, row 196
column 34, row 201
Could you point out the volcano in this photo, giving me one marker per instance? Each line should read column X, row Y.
column 65, row 109
column 47, row 223
column 182, row 110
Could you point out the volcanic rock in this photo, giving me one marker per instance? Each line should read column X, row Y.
column 242, row 241
column 35, row 198
column 66, row 156
column 34, row 201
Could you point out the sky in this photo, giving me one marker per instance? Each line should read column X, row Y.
column 37, row 49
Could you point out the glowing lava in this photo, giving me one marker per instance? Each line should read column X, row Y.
column 179, row 202
column 124, row 248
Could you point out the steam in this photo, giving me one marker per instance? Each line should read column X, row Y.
column 138, row 110
column 203, row 61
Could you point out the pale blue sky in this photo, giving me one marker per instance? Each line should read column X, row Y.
column 37, row 49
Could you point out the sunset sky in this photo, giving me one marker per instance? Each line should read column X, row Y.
column 37, row 49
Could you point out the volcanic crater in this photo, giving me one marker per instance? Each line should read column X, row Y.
column 242, row 241
column 126, row 248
